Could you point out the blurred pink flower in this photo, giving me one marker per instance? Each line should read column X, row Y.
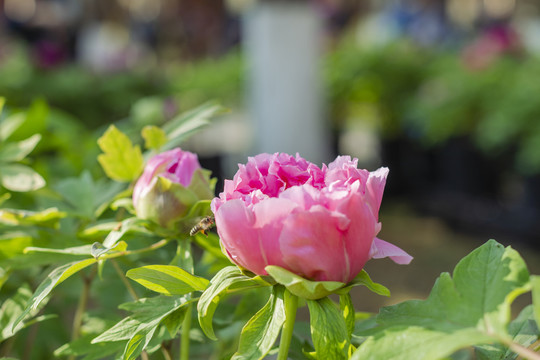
column 320, row 223
column 171, row 183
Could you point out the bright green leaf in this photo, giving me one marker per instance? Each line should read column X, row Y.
column 413, row 342
column 328, row 330
column 56, row 277
column 10, row 124
column 21, row 178
column 17, row 151
column 535, row 281
column 47, row 218
column 261, row 331
column 77, row 250
column 167, row 279
column 301, row 287
column 121, row 160
column 472, row 308
column 347, row 311
column 522, row 330
column 154, row 137
column 364, row 279
column 228, row 280
column 128, row 225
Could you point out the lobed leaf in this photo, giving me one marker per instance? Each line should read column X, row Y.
column 167, row 279
column 154, row 137
column 121, row 160
column 261, row 331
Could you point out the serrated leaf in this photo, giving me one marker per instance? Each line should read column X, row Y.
column 56, row 277
column 184, row 125
column 167, row 279
column 154, row 137
column 17, row 151
column 261, row 331
column 522, row 330
column 535, row 282
column 227, row 280
column 472, row 308
column 301, row 287
column 20, row 178
column 121, row 160
column 328, row 330
column 47, row 218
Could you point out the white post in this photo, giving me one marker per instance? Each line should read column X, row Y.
column 283, row 44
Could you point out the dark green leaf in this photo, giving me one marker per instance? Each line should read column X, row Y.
column 121, row 160
column 328, row 330
column 228, row 280
column 21, row 178
column 9, row 125
column 167, row 279
column 535, row 281
column 261, row 331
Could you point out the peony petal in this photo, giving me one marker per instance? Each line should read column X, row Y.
column 313, row 246
column 381, row 249
column 375, row 188
column 235, row 226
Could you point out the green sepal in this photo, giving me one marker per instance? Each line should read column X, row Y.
column 303, row 288
column 363, row 279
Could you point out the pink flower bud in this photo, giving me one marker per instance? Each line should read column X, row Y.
column 171, row 183
column 320, row 223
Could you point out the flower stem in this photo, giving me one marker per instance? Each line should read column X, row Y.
column 120, row 273
column 291, row 304
column 184, row 341
column 522, row 351
column 81, row 307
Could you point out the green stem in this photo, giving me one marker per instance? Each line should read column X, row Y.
column 120, row 273
column 291, row 304
column 81, row 307
column 522, row 351
column 184, row 341
column 154, row 246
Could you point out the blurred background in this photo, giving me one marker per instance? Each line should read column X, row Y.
column 446, row 93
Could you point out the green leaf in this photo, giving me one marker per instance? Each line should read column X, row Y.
column 80, row 194
column 523, row 330
column 17, row 151
column 11, row 310
column 56, row 277
column 139, row 327
column 167, row 279
column 174, row 320
column 364, row 279
column 535, row 281
column 301, row 287
column 9, row 125
column 121, row 160
column 47, row 218
column 77, row 250
column 83, row 346
column 261, row 331
column 473, row 308
column 35, row 120
column 20, row 178
column 347, row 311
column 128, row 225
column 4, row 197
column 183, row 257
column 229, row 279
column 154, row 137
column 185, row 125
column 328, row 330
column 414, row 342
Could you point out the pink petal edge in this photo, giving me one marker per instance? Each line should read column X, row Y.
column 381, row 249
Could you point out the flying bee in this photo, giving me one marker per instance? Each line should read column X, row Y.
column 203, row 226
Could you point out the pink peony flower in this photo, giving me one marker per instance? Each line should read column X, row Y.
column 171, row 183
column 320, row 223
